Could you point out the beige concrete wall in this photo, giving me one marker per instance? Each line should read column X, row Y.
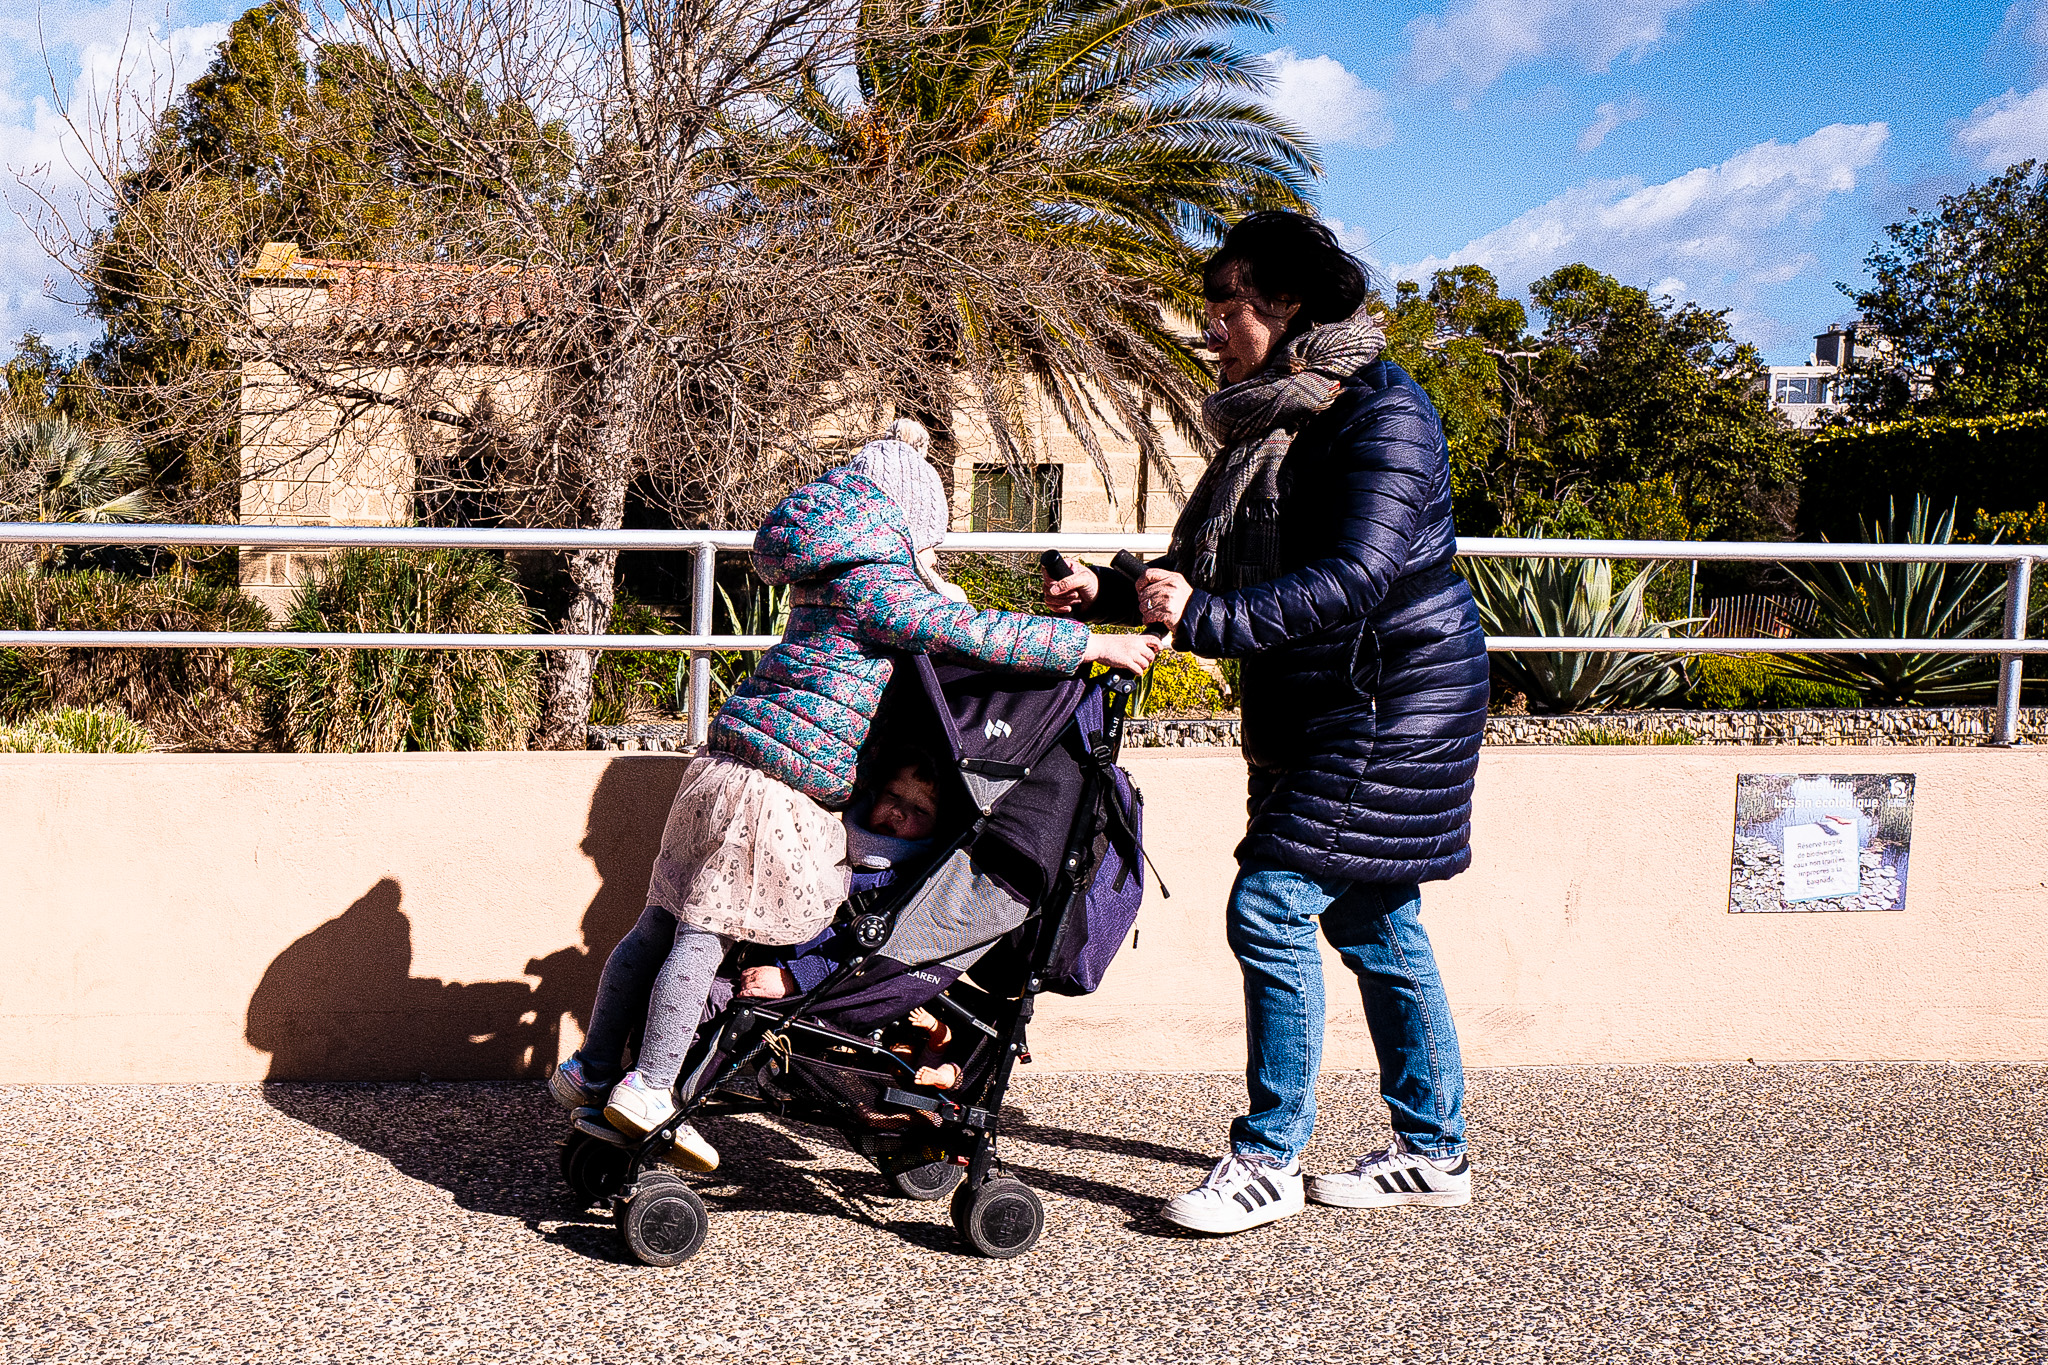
column 231, row 917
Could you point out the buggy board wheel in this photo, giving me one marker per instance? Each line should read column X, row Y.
column 595, row 1170
column 934, row 1180
column 1001, row 1219
column 663, row 1223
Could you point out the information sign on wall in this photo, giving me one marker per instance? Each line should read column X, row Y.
column 1821, row 841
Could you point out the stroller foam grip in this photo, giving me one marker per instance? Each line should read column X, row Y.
column 1055, row 565
column 1133, row 568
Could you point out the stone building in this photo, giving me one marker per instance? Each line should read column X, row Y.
column 311, row 460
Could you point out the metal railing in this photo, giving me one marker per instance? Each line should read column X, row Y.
column 701, row 643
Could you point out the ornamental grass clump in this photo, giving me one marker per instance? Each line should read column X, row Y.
column 389, row 700
column 1903, row 602
column 187, row 698
column 75, row 730
column 1574, row 597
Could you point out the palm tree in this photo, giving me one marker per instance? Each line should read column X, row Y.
column 51, row 470
column 1122, row 133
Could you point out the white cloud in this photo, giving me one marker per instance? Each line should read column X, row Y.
column 2011, row 128
column 1326, row 101
column 48, row 171
column 2026, row 25
column 1606, row 119
column 1479, row 40
column 1727, row 230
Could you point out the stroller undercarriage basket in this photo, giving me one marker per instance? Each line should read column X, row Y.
column 1012, row 897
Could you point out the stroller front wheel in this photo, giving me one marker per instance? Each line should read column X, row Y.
column 1000, row 1219
column 663, row 1223
column 595, row 1170
column 934, row 1180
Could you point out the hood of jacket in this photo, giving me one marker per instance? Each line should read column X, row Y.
column 829, row 525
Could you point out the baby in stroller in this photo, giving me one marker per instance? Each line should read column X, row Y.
column 753, row 850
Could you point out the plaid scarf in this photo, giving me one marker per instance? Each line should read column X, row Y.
column 1255, row 420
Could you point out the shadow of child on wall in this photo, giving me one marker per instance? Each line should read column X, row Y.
column 341, row 1005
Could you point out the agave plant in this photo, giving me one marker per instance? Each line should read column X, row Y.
column 762, row 609
column 1906, row 602
column 1574, row 597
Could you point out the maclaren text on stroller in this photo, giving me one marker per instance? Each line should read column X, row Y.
column 1034, row 887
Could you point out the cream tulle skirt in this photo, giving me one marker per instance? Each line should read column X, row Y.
column 747, row 856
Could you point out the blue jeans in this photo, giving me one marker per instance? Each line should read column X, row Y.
column 1377, row 930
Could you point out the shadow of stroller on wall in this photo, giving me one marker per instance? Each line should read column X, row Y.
column 342, row 1004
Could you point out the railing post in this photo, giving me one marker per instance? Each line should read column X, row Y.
column 2005, row 725
column 703, row 588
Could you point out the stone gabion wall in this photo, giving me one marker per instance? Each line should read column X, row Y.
column 1907, row 726
column 1923, row 726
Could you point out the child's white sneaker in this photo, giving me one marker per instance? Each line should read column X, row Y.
column 1397, row 1174
column 638, row 1106
column 573, row 1089
column 692, row 1150
column 1242, row 1192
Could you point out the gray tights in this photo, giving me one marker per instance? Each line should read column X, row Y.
column 671, row 967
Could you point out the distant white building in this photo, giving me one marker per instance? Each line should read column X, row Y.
column 1807, row 393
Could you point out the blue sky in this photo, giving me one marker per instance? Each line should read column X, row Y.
column 1742, row 153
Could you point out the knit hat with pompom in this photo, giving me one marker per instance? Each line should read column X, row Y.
column 896, row 464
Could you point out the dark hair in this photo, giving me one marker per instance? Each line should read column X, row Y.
column 1291, row 256
column 886, row 766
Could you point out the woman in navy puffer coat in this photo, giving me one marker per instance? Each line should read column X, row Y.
column 1317, row 549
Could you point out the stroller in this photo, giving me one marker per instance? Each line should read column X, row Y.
column 1032, row 886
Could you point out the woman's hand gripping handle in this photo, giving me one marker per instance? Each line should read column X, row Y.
column 1069, row 589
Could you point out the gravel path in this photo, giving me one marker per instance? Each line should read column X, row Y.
column 1810, row 1213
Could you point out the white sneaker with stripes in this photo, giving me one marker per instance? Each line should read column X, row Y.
column 1241, row 1192
column 1398, row 1174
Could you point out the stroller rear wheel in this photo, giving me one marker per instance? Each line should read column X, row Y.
column 595, row 1170
column 1001, row 1219
column 663, row 1223
column 934, row 1180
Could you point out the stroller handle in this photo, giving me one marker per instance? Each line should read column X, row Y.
column 1057, row 566
column 1133, row 568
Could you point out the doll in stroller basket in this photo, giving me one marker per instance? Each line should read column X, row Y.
column 1031, row 882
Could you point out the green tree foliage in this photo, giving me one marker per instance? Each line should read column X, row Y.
column 32, row 379
column 1961, row 294
column 386, row 700
column 1854, row 472
column 1648, row 414
column 1626, row 416
column 1460, row 341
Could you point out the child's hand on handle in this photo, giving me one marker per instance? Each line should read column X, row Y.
column 1069, row 587
column 1132, row 653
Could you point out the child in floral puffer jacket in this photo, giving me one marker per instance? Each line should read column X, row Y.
column 753, row 849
